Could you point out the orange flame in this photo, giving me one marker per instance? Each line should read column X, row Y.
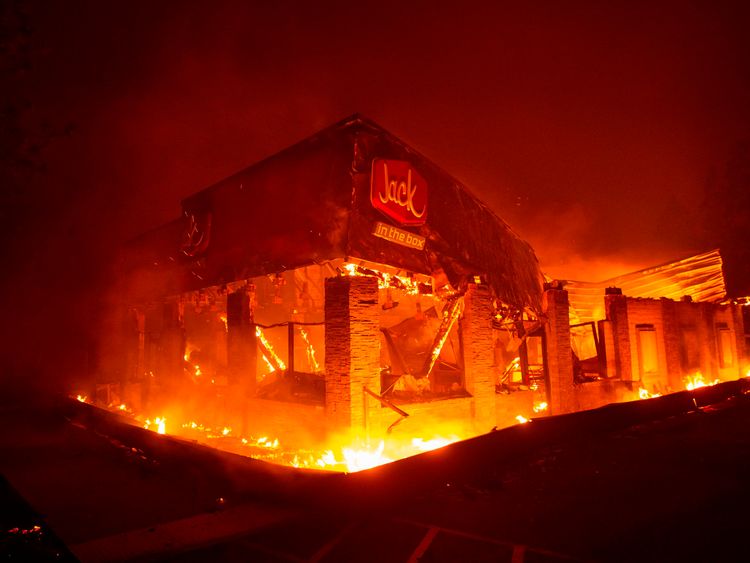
column 540, row 407
column 696, row 381
column 645, row 394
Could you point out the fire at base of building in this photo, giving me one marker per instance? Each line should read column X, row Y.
column 346, row 302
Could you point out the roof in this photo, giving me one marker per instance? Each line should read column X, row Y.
column 311, row 203
column 699, row 276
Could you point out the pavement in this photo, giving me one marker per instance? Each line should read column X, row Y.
column 663, row 480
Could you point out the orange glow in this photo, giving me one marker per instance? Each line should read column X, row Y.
column 344, row 453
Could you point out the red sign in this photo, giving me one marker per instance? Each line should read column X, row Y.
column 398, row 191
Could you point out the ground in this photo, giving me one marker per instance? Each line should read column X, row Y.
column 662, row 480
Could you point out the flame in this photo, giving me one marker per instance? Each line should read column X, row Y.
column 355, row 458
column 385, row 280
column 269, row 365
column 268, row 350
column 521, row 419
column 82, row 398
column 342, row 454
column 434, row 444
column 540, row 407
column 160, row 422
column 644, row 394
column 311, row 359
column 451, row 312
column 223, row 319
column 696, row 381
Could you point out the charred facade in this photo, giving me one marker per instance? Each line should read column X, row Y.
column 348, row 283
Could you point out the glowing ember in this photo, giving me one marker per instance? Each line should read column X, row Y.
column 645, row 394
column 160, row 423
column 696, row 381
column 540, row 407
column 521, row 419
column 26, row 531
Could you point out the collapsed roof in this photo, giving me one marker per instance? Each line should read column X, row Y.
column 311, row 203
column 700, row 277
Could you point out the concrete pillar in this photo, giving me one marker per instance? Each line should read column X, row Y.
column 352, row 340
column 559, row 352
column 479, row 364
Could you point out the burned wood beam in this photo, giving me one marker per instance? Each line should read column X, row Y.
column 385, row 402
column 451, row 313
column 267, row 350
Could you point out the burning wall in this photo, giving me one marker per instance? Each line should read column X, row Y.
column 299, row 304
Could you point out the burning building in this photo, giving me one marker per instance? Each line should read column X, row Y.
column 348, row 285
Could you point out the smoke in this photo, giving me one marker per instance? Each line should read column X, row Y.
column 590, row 130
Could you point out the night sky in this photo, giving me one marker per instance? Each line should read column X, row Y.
column 610, row 135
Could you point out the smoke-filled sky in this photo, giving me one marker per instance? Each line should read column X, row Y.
column 596, row 129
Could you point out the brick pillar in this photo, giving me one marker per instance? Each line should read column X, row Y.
column 707, row 335
column 672, row 331
column 559, row 353
column 172, row 346
column 606, row 333
column 617, row 312
column 739, row 333
column 479, row 355
column 242, row 345
column 352, row 336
